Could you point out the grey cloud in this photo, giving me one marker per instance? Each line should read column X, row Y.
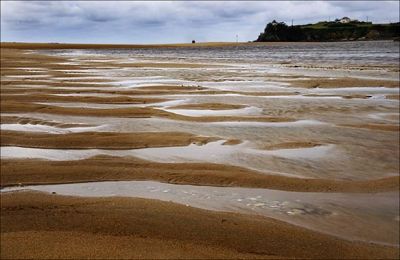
column 146, row 22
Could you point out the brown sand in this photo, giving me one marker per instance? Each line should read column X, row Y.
column 33, row 121
column 50, row 87
column 291, row 145
column 86, row 245
column 343, row 96
column 107, row 168
column 36, row 225
column 100, row 140
column 85, row 99
column 380, row 127
column 344, row 83
column 21, row 107
column 395, row 97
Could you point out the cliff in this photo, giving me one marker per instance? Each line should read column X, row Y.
column 329, row 31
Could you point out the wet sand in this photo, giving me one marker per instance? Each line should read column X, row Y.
column 380, row 127
column 64, row 222
column 87, row 99
column 395, row 97
column 305, row 133
column 100, row 140
column 292, row 145
column 33, row 121
column 345, row 83
column 102, row 168
column 338, row 214
column 131, row 112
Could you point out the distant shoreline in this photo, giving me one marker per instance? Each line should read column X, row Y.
column 26, row 45
column 23, row 45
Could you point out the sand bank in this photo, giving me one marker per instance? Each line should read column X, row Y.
column 379, row 127
column 100, row 140
column 26, row 171
column 66, row 223
column 343, row 83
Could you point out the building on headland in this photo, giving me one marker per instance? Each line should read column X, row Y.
column 345, row 20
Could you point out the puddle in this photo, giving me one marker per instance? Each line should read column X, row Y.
column 209, row 112
column 216, row 152
column 101, row 60
column 48, row 129
column 68, row 63
column 212, row 152
column 302, row 97
column 346, row 215
column 90, row 105
column 32, row 69
column 76, row 79
column 29, row 76
column 242, row 84
column 87, row 94
column 243, row 155
column 305, row 153
column 163, row 104
column 355, row 90
column 298, row 123
column 169, row 103
column 148, row 81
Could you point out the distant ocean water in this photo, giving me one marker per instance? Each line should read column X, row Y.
column 351, row 53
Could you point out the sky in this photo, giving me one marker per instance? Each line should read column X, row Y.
column 137, row 22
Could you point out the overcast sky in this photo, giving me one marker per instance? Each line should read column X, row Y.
column 170, row 21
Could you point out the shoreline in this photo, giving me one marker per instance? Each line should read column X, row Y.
column 37, row 45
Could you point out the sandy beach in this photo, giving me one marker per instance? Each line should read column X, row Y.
column 119, row 223
column 214, row 118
